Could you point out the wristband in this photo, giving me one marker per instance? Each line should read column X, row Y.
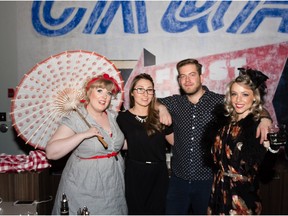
column 273, row 151
column 268, row 117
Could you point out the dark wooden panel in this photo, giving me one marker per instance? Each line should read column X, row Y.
column 27, row 186
column 274, row 194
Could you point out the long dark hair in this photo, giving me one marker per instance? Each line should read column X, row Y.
column 152, row 123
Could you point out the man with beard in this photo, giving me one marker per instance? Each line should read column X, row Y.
column 192, row 113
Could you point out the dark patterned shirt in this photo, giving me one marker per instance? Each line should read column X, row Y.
column 190, row 122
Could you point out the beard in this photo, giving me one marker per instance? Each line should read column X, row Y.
column 192, row 91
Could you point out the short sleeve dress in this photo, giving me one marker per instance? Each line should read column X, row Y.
column 95, row 183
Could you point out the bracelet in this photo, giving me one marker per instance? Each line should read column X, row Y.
column 267, row 117
column 273, row 151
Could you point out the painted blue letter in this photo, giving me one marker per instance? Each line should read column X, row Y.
column 50, row 21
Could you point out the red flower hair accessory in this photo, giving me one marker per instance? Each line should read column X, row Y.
column 106, row 77
column 117, row 88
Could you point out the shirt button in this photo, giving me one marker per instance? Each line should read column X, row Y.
column 192, row 138
column 193, row 116
column 191, row 149
column 193, row 128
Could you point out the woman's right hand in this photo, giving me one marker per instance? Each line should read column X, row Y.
column 91, row 132
column 65, row 140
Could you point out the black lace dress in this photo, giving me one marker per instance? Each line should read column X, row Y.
column 237, row 156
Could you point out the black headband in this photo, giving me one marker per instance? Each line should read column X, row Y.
column 257, row 77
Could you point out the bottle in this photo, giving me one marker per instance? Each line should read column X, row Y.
column 84, row 211
column 64, row 209
column 277, row 135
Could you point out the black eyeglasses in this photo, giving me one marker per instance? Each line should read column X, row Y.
column 143, row 90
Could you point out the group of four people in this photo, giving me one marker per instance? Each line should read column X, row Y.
column 94, row 176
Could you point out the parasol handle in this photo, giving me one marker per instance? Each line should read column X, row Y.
column 101, row 140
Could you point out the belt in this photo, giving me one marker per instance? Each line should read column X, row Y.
column 235, row 176
column 113, row 154
column 147, row 162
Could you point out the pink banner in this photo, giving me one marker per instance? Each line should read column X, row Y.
column 219, row 69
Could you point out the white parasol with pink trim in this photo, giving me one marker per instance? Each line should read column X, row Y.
column 52, row 89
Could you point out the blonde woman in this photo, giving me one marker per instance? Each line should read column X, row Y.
column 237, row 153
column 93, row 176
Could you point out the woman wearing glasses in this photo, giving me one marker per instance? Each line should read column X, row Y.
column 146, row 174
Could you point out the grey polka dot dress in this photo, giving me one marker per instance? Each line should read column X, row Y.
column 95, row 183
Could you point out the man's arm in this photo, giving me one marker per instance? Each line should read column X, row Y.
column 265, row 123
column 164, row 115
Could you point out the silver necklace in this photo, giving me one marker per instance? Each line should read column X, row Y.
column 141, row 120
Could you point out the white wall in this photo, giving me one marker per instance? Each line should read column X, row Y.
column 221, row 51
column 9, row 72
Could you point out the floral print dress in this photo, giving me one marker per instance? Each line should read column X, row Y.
column 237, row 155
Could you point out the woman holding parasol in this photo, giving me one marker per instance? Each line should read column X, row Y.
column 93, row 175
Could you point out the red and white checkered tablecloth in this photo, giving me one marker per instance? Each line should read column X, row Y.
column 35, row 161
